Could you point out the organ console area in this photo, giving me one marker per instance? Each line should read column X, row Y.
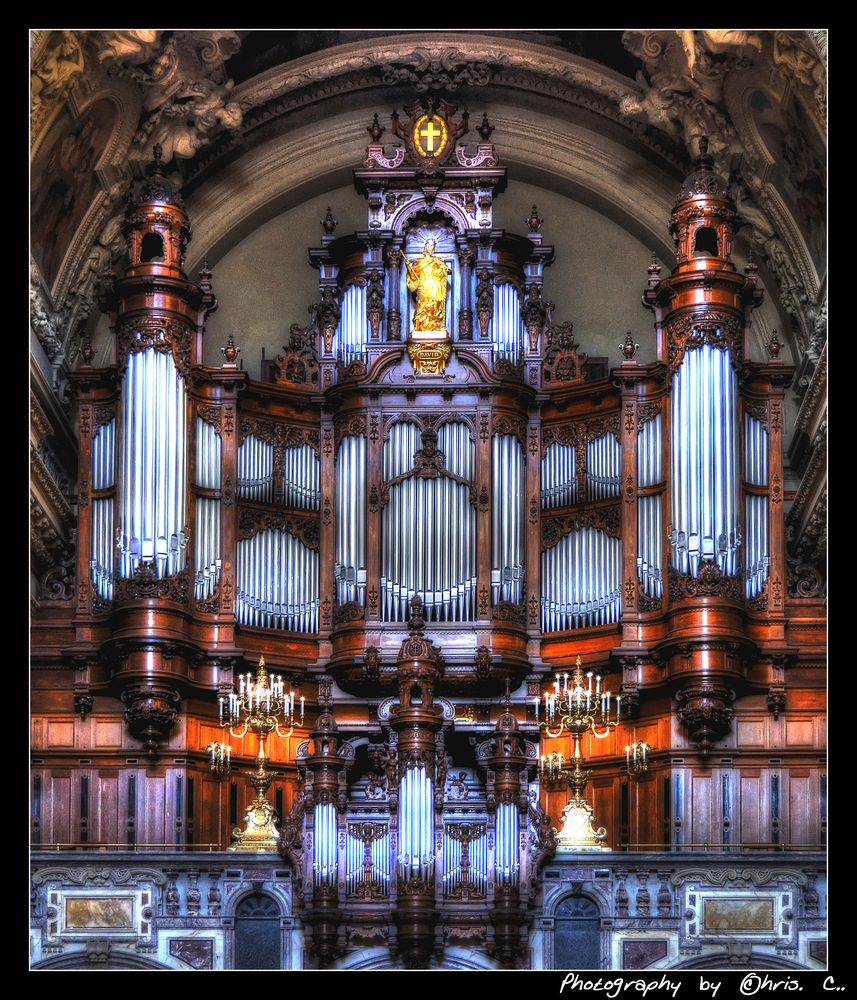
column 432, row 506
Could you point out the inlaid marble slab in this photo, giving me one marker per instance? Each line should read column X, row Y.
column 99, row 912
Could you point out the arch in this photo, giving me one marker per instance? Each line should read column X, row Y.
column 721, row 960
column 151, row 248
column 705, row 241
column 456, row 217
column 80, row 961
column 257, row 933
column 578, row 941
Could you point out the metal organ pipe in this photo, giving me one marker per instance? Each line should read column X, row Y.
column 704, row 462
column 256, row 470
column 350, row 568
column 506, row 859
column 301, row 482
column 452, row 871
column 428, row 529
column 649, row 508
column 756, row 507
column 324, row 867
column 559, row 476
column 507, row 516
column 207, row 559
column 354, row 853
column 507, row 327
column 581, row 577
column 352, row 333
column 277, row 582
column 103, row 477
column 153, row 456
column 603, row 467
column 416, row 824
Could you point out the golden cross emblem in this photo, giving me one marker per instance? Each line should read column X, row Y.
column 430, row 135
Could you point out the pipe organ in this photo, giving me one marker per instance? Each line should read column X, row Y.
column 415, row 514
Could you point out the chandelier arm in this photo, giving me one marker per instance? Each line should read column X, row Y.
column 553, row 736
column 596, row 734
column 239, row 735
column 280, row 732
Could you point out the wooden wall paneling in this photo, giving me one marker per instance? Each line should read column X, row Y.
column 151, row 818
column 646, row 809
column 753, row 806
column 56, row 809
column 801, row 796
column 107, row 732
column 60, row 733
column 104, row 807
column 704, row 811
column 602, row 796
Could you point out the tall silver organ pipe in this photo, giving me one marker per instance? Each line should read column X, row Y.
column 559, row 476
column 581, row 578
column 416, row 824
column 350, row 568
column 301, row 483
column 506, row 854
column 352, row 333
column 650, row 509
column 428, row 529
column 705, row 475
column 603, row 467
column 207, row 554
column 256, row 470
column 507, row 519
column 153, row 458
column 324, row 842
column 277, row 582
column 354, row 868
column 757, row 556
column 103, row 477
column 452, row 870
column 507, row 327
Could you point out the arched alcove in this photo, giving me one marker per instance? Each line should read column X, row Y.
column 577, row 934
column 258, row 934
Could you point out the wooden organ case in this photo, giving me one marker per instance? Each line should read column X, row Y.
column 417, row 522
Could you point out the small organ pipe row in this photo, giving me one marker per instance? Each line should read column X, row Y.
column 603, row 467
column 416, row 824
column 506, row 856
column 301, row 478
column 324, row 841
column 350, row 568
column 256, row 470
column 507, row 548
column 277, row 582
column 354, row 870
column 705, row 450
column 559, row 476
column 581, row 578
column 352, row 333
column 153, row 458
column 650, row 509
column 101, row 562
column 507, row 327
column 452, row 871
column 757, row 558
column 428, row 542
column 207, row 553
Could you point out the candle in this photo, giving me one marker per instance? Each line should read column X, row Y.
column 589, row 676
column 628, row 757
column 220, row 708
column 302, row 708
column 597, row 684
column 292, row 703
column 618, row 705
column 565, row 677
column 228, row 753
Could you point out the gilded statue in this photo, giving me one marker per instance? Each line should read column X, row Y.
column 428, row 278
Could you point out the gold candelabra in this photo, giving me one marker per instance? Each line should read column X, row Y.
column 221, row 757
column 576, row 708
column 260, row 706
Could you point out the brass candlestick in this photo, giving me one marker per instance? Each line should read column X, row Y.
column 263, row 704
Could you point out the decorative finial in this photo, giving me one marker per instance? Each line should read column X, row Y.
column 703, row 145
column 417, row 619
column 629, row 348
column 157, row 164
column 654, row 270
column 534, row 221
column 86, row 351
column 774, row 346
column 205, row 275
column 508, row 701
column 261, row 661
column 376, row 129
column 751, row 267
column 328, row 223
column 230, row 352
column 486, row 128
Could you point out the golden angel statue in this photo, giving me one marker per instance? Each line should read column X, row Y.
column 427, row 277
